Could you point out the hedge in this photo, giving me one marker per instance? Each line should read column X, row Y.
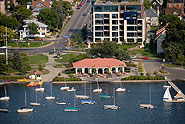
column 66, row 79
column 144, row 78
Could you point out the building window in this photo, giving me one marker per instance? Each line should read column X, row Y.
column 115, row 39
column 131, row 28
column 98, row 27
column 98, row 15
column 123, row 7
column 130, row 40
column 121, row 22
column 106, row 27
column 114, row 22
column 97, row 39
column 98, row 22
column 130, row 34
column 114, row 15
column 42, row 33
column 114, row 28
column 131, row 22
column 98, row 34
column 139, row 34
column 42, row 28
column 140, row 28
column 121, row 33
column 121, row 27
column 106, row 33
column 107, row 39
column 133, row 8
column 114, row 34
column 139, row 40
column 98, row 8
column 121, row 39
column 122, row 15
column 106, row 21
column 106, row 15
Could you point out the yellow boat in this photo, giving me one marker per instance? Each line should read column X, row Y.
column 40, row 83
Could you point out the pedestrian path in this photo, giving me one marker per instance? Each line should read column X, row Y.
column 49, row 66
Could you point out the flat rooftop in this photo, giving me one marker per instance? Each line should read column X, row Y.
column 119, row 2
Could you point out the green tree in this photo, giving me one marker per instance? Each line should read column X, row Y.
column 50, row 18
column 147, row 4
column 23, row 2
column 33, row 28
column 3, row 66
column 164, row 19
column 181, row 59
column 40, row 67
column 8, row 21
column 76, row 38
column 22, row 13
column 122, row 54
column 10, row 34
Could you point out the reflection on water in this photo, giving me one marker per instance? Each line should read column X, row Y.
column 129, row 112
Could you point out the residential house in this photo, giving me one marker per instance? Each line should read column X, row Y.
column 2, row 6
column 175, row 7
column 121, row 22
column 152, row 17
column 26, row 32
column 157, row 4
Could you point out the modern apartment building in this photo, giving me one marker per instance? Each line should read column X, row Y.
column 120, row 21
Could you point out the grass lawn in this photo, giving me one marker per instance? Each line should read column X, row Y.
column 125, row 46
column 38, row 59
column 65, row 58
column 144, row 53
column 174, row 65
column 25, row 44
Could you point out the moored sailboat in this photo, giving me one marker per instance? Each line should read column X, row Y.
column 88, row 101
column 98, row 89
column 25, row 109
column 35, row 103
column 5, row 98
column 50, row 97
column 114, row 102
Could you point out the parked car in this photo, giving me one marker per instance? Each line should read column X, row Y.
column 145, row 58
column 84, row 14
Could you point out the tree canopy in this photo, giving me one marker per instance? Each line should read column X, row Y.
column 10, row 34
column 49, row 17
column 22, row 13
column 174, row 43
column 108, row 49
column 164, row 19
column 33, row 28
column 8, row 21
column 147, row 4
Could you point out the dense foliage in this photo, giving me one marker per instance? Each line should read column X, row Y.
column 16, row 62
column 108, row 49
column 33, row 28
column 66, row 79
column 147, row 4
column 8, row 21
column 22, row 13
column 174, row 43
column 10, row 35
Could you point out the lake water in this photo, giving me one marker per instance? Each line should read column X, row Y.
column 128, row 113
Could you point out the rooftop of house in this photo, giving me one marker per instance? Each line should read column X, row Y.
column 34, row 21
column 43, row 3
column 160, row 2
column 99, row 63
column 174, row 11
column 151, row 13
column 106, row 2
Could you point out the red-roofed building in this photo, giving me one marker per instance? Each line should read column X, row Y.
column 99, row 65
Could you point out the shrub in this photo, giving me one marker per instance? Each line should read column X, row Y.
column 143, row 78
column 148, row 74
column 155, row 73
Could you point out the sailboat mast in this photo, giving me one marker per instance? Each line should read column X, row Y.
column 150, row 95
column 114, row 100
column 51, row 89
column 74, row 99
column 90, row 92
column 36, row 97
column 85, row 87
column 25, row 99
column 5, row 92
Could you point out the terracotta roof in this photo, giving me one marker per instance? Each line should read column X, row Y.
column 99, row 62
column 174, row 11
column 45, row 3
column 38, row 72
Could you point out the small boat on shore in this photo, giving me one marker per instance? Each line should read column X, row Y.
column 25, row 109
column 5, row 98
column 31, row 84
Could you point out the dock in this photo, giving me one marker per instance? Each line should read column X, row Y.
column 175, row 87
column 4, row 110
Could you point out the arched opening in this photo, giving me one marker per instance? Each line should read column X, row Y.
column 114, row 70
column 86, row 70
column 79, row 70
column 106, row 70
column 120, row 70
column 93, row 71
column 100, row 71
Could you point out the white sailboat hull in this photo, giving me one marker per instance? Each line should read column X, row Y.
column 35, row 104
column 99, row 90
column 50, row 97
column 64, row 88
column 6, row 98
column 146, row 106
column 61, row 103
column 24, row 110
column 111, row 107
column 178, row 100
column 82, row 97
column 121, row 90
column 39, row 89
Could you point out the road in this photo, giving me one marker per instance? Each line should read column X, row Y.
column 74, row 25
column 151, row 65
